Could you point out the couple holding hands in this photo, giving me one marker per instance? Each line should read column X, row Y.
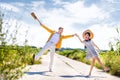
column 55, row 40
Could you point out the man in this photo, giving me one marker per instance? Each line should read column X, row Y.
column 53, row 42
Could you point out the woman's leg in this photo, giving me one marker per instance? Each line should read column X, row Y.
column 92, row 65
column 103, row 66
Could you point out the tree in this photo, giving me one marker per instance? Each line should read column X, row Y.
column 117, row 39
column 116, row 44
column 1, row 33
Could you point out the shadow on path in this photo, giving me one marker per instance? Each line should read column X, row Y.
column 39, row 73
column 85, row 76
column 43, row 73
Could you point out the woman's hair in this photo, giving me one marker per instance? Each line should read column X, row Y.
column 87, row 40
column 87, row 33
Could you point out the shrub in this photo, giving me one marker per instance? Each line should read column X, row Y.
column 13, row 60
column 112, row 61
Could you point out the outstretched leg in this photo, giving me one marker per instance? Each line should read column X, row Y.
column 103, row 66
column 46, row 47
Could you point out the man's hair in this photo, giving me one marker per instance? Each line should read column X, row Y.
column 60, row 28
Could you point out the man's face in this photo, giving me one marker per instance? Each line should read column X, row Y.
column 60, row 30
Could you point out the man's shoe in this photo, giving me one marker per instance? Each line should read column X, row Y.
column 50, row 70
column 33, row 57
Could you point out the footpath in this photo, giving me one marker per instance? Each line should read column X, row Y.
column 64, row 69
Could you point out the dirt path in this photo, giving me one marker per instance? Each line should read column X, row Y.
column 64, row 69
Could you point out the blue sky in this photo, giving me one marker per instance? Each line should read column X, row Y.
column 101, row 16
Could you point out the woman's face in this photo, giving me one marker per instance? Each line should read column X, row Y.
column 86, row 36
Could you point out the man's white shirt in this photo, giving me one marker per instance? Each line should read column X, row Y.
column 55, row 38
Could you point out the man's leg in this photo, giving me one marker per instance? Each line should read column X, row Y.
column 46, row 47
column 52, row 52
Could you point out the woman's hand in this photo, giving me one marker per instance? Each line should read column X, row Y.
column 76, row 35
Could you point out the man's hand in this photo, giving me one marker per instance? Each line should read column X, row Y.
column 40, row 22
column 34, row 16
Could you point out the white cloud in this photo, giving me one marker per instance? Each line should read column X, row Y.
column 83, row 14
column 37, row 4
column 73, row 13
column 19, row 4
column 9, row 7
column 66, row 16
column 113, row 1
column 57, row 1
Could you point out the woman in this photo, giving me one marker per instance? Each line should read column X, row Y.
column 90, row 49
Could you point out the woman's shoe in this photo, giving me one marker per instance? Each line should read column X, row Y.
column 87, row 76
column 106, row 69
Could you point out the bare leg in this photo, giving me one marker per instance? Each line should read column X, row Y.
column 92, row 65
column 103, row 66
